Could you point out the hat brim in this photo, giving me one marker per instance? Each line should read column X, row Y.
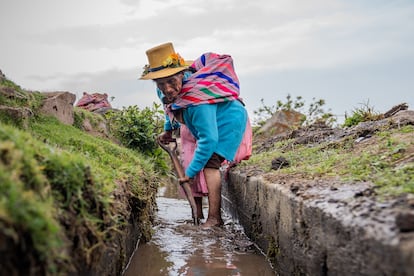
column 166, row 72
column 163, row 73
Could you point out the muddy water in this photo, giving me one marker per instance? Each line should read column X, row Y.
column 180, row 248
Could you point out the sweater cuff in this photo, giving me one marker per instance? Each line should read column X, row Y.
column 190, row 173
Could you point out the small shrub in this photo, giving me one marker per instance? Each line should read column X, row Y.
column 315, row 112
column 362, row 114
column 137, row 129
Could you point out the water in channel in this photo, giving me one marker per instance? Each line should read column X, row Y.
column 180, row 248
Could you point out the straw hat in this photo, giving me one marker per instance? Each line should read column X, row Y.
column 163, row 62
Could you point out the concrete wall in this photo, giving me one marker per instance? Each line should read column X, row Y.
column 320, row 230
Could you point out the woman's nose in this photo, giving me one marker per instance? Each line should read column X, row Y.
column 169, row 88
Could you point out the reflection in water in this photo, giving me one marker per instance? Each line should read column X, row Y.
column 180, row 248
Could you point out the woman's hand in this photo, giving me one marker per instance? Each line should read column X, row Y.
column 185, row 179
column 166, row 137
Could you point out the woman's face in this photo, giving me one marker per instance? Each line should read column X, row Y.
column 170, row 86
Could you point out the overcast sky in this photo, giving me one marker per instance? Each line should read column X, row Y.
column 348, row 52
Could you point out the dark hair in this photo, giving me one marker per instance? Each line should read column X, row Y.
column 176, row 112
column 178, row 115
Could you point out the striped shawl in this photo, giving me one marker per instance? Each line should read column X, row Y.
column 214, row 81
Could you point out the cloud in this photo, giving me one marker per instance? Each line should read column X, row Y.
column 95, row 45
column 130, row 2
column 275, row 34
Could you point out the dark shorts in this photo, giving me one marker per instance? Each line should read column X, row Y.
column 215, row 161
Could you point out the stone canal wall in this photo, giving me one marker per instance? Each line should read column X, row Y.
column 321, row 228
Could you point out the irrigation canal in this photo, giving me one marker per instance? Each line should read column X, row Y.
column 180, row 248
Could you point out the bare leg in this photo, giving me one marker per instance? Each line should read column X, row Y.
column 199, row 202
column 213, row 179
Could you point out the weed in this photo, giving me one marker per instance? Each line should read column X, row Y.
column 362, row 114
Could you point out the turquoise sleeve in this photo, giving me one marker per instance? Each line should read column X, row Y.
column 202, row 118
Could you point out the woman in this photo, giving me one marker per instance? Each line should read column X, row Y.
column 187, row 148
column 208, row 103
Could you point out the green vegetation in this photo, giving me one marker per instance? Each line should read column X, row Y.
column 362, row 114
column 80, row 115
column 380, row 161
column 20, row 97
column 136, row 129
column 314, row 113
column 59, row 205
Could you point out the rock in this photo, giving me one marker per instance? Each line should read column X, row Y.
column 97, row 128
column 395, row 109
column 279, row 163
column 18, row 114
column 281, row 121
column 60, row 105
column 405, row 221
column 402, row 118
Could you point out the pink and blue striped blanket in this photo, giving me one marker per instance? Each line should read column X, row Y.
column 214, row 81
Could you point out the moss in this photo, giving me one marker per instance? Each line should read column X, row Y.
column 14, row 96
column 12, row 117
column 65, row 196
column 80, row 115
column 57, row 185
column 27, row 209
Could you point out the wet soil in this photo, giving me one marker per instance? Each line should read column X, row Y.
column 180, row 248
column 325, row 223
column 389, row 211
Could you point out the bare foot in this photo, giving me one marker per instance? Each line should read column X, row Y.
column 212, row 222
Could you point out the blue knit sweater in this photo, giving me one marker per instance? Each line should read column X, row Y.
column 218, row 128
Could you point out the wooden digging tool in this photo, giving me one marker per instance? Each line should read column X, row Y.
column 180, row 174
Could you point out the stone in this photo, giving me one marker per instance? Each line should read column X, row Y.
column 59, row 105
column 405, row 221
column 279, row 162
column 281, row 121
column 17, row 114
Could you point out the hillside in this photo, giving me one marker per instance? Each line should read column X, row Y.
column 378, row 151
column 70, row 202
column 72, row 198
column 378, row 154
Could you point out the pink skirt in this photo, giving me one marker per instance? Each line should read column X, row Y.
column 188, row 146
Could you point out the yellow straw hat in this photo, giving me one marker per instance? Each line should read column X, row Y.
column 163, row 62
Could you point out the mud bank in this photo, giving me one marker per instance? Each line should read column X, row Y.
column 322, row 228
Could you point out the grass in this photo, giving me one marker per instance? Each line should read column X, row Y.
column 56, row 180
column 27, row 211
column 21, row 98
column 381, row 160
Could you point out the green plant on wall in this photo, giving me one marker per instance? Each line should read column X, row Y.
column 137, row 129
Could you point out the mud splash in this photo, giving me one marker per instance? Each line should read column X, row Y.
column 180, row 248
